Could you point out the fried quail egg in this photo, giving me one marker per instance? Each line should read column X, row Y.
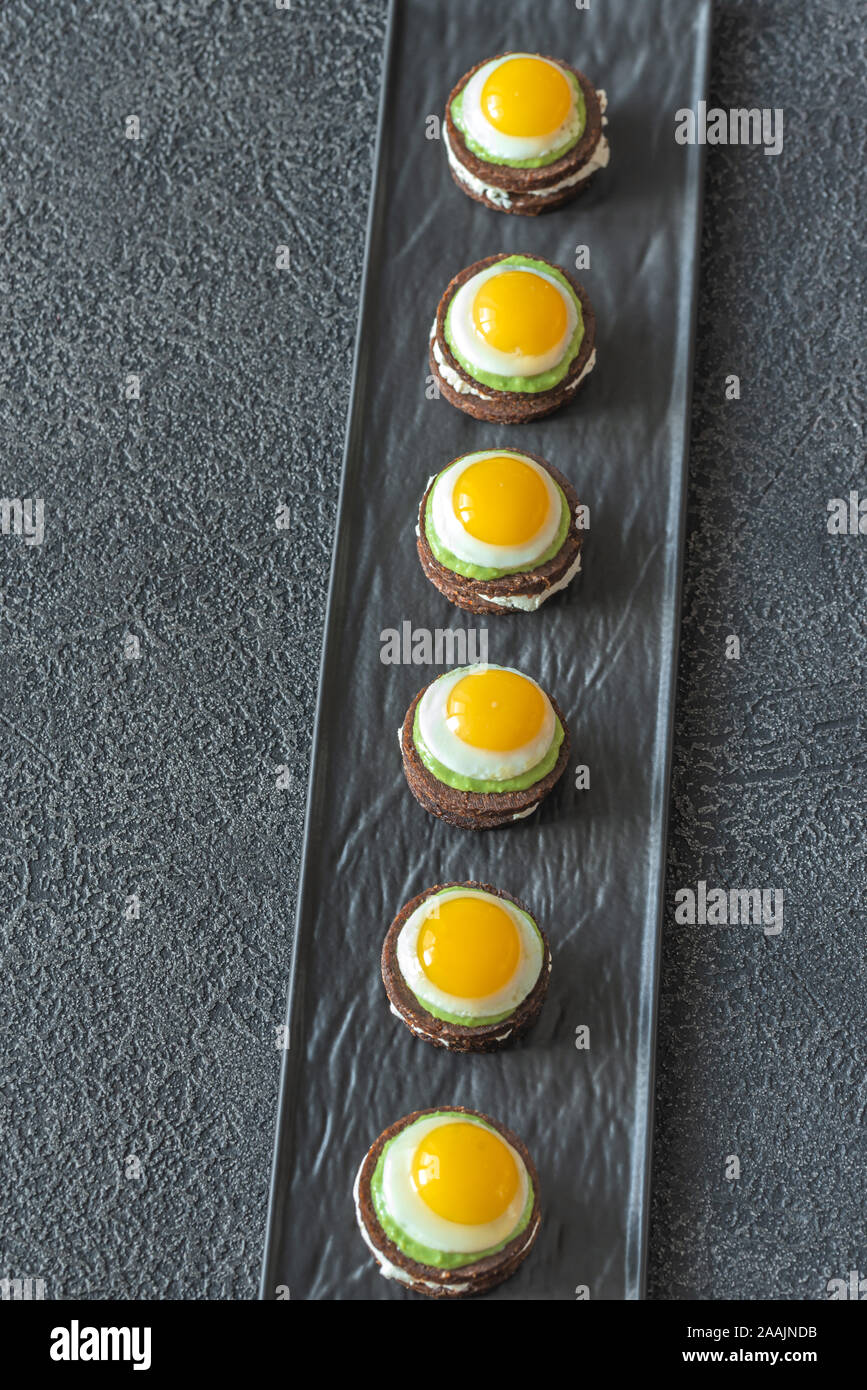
column 454, row 1184
column 496, row 509
column 522, row 106
column 486, row 722
column 470, row 953
column 512, row 320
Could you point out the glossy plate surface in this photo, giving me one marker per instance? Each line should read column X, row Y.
column 590, row 863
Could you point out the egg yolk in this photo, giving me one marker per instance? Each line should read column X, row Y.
column 520, row 312
column 494, row 709
column 469, row 947
column 526, row 96
column 502, row 501
column 465, row 1173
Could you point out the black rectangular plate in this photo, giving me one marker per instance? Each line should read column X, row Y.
column 590, row 863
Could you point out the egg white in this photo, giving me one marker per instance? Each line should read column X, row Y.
column 495, row 141
column 476, row 350
column 452, row 534
column 480, row 763
column 416, row 1218
column 503, row 1000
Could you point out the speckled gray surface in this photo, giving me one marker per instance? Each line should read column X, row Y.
column 156, row 776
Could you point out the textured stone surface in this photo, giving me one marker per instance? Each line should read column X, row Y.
column 762, row 1041
column 156, row 776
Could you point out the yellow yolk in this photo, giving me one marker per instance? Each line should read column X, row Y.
column 465, row 1173
column 520, row 312
column 469, row 947
column 501, row 501
column 526, row 97
column 496, row 710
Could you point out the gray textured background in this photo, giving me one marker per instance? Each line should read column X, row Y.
column 156, row 1037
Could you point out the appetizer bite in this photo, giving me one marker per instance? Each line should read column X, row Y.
column 447, row 1201
column 483, row 746
column 513, row 339
column 498, row 532
column 524, row 133
column 465, row 967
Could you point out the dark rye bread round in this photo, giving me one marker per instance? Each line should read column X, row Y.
column 474, row 810
column 508, row 407
column 469, row 593
column 427, row 1279
column 458, row 1037
column 518, row 183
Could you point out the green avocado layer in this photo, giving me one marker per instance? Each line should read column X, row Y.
column 465, row 1020
column 541, row 160
column 451, row 562
column 544, row 381
column 425, row 1254
column 474, row 784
